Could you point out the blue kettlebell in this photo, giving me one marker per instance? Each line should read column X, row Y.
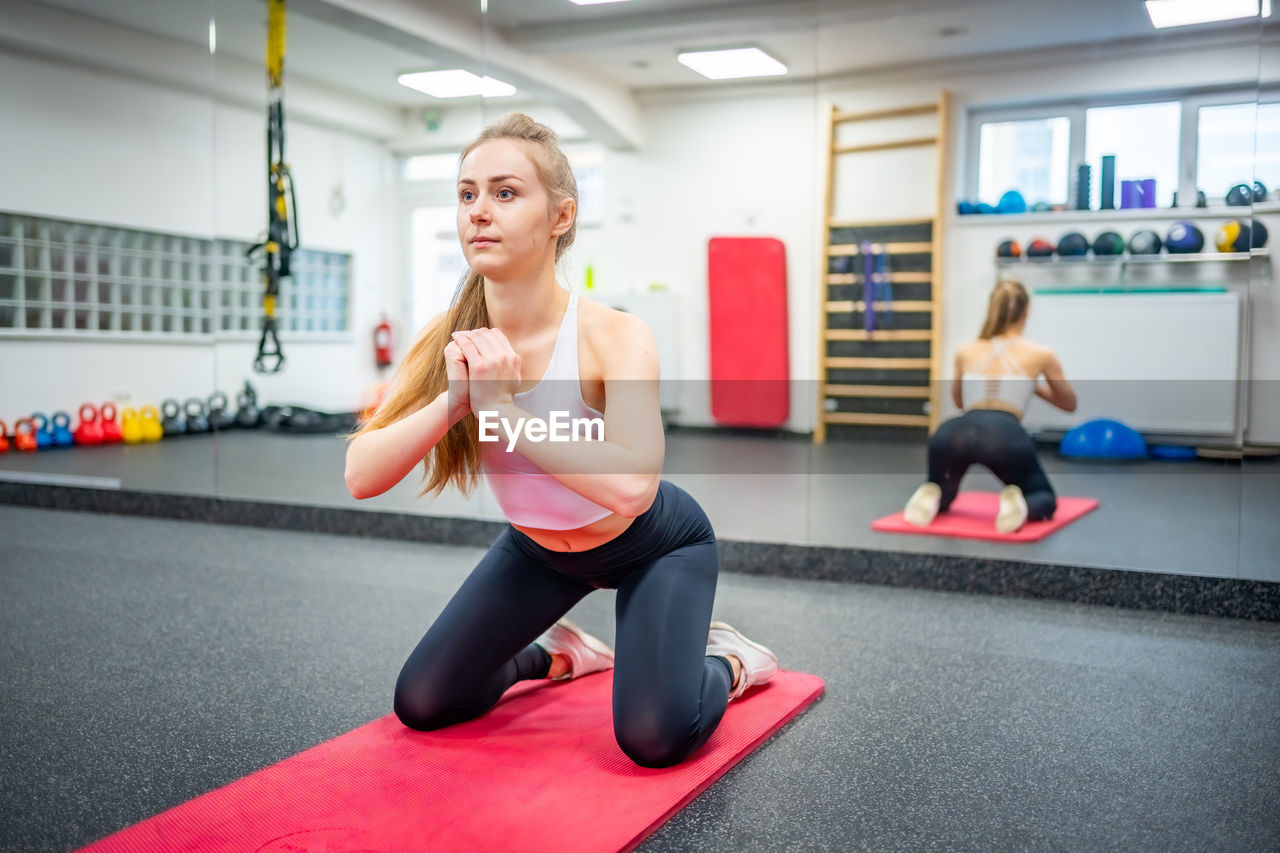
column 62, row 436
column 44, row 435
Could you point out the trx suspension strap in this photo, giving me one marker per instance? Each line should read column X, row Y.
column 282, row 213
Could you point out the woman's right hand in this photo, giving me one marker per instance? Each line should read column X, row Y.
column 455, row 365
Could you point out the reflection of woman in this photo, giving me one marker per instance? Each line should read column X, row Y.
column 997, row 376
column 585, row 515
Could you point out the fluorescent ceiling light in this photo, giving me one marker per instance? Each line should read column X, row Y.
column 731, row 64
column 594, row 2
column 1184, row 13
column 455, row 83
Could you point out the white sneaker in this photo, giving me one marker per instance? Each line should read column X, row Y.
column 1013, row 510
column 922, row 508
column 758, row 663
column 586, row 653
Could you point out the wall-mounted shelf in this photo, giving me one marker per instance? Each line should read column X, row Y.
column 1124, row 260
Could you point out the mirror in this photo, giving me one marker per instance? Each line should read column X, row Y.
column 1175, row 346
column 107, row 220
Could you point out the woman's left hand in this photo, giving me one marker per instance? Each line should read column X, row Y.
column 493, row 367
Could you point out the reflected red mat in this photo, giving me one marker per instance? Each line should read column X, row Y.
column 973, row 515
column 540, row 772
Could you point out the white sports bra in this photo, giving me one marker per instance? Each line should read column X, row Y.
column 529, row 496
column 1012, row 387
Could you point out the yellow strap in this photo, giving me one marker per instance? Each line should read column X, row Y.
column 275, row 42
column 269, row 305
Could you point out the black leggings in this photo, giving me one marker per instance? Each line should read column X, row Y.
column 997, row 440
column 668, row 696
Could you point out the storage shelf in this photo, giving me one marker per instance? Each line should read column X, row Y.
column 1122, row 260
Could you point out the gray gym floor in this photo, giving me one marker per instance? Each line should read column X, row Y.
column 149, row 661
column 1203, row 517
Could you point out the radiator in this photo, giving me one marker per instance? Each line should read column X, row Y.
column 1159, row 362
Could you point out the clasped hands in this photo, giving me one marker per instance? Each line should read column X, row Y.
column 483, row 370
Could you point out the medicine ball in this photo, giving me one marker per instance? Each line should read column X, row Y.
column 1233, row 236
column 983, row 207
column 1012, row 202
column 964, row 208
column 1108, row 243
column 1241, row 195
column 1184, row 238
column 1259, row 191
column 1259, row 234
column 1073, row 244
column 1009, row 249
column 1145, row 243
column 1039, row 248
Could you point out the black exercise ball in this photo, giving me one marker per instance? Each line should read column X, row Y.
column 1241, row 195
column 1039, row 248
column 1259, row 232
column 1259, row 191
column 1108, row 243
column 1184, row 238
column 1009, row 249
column 1145, row 243
column 1073, row 244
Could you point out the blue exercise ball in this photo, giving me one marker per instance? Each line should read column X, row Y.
column 1012, row 202
column 1103, row 439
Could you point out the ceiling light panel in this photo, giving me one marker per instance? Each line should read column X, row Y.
column 732, row 64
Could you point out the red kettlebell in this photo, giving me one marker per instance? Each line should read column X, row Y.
column 89, row 431
column 4, row 437
column 110, row 426
column 24, row 435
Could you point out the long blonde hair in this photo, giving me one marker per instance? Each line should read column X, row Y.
column 422, row 376
column 1008, row 305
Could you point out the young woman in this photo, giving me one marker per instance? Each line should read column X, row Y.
column 584, row 515
column 996, row 375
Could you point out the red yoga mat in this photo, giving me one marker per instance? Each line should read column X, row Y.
column 747, row 309
column 539, row 772
column 973, row 515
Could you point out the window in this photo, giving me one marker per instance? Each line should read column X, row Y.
column 431, row 167
column 1144, row 138
column 1028, row 156
column 1210, row 141
column 1237, row 144
column 61, row 277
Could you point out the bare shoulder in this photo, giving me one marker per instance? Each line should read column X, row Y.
column 616, row 337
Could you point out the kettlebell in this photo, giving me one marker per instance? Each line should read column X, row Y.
column 110, row 428
column 149, row 423
column 197, row 418
column 248, row 415
column 89, row 431
column 62, row 436
column 4, row 437
column 173, row 422
column 130, row 427
column 44, row 433
column 24, row 435
column 219, row 417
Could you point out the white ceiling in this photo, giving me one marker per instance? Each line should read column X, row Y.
column 634, row 44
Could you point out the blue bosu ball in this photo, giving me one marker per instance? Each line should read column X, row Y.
column 1103, row 439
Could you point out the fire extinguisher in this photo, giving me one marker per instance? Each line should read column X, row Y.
column 382, row 343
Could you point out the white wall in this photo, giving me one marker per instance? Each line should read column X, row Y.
column 90, row 146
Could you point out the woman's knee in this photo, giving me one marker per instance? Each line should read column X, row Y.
column 419, row 709
column 653, row 743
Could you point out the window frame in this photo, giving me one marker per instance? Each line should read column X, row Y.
column 1075, row 110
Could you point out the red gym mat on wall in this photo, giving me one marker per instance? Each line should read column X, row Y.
column 973, row 515
column 747, row 306
column 540, row 772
